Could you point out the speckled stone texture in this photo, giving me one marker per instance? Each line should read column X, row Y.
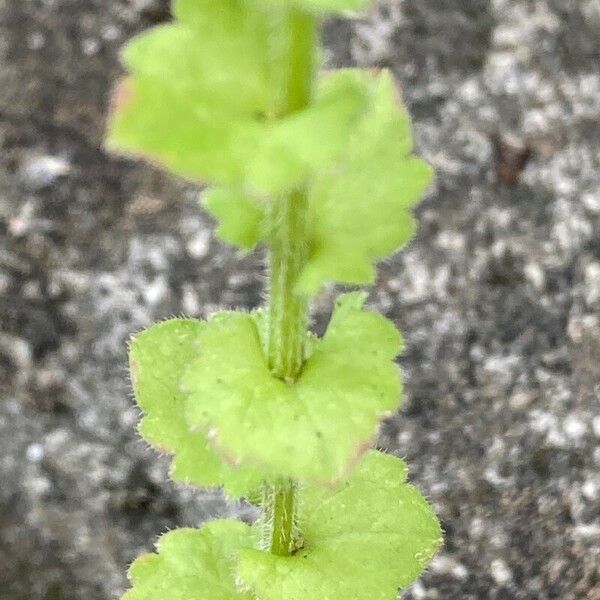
column 499, row 295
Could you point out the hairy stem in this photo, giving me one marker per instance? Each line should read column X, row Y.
column 288, row 311
column 281, row 532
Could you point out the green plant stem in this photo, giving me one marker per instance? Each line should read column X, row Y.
column 281, row 532
column 288, row 311
column 303, row 38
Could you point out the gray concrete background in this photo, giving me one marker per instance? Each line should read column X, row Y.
column 498, row 296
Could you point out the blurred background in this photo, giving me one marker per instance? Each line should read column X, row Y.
column 498, row 296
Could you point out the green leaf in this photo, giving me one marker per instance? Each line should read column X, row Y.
column 241, row 219
column 291, row 149
column 313, row 429
column 363, row 542
column 363, row 189
column 198, row 91
column 158, row 124
column 361, row 208
column 295, row 146
column 204, row 97
column 192, row 564
column 158, row 358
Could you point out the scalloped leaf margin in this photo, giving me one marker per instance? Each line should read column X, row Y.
column 360, row 207
column 192, row 564
column 363, row 542
column 158, row 358
column 314, row 429
column 222, row 126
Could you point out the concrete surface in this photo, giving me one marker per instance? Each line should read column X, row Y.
column 498, row 297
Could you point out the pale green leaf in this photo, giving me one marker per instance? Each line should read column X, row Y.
column 362, row 191
column 313, row 429
column 204, row 100
column 192, row 564
column 361, row 208
column 241, row 218
column 198, row 91
column 291, row 149
column 363, row 542
column 230, row 81
column 305, row 142
column 172, row 130
column 158, row 358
